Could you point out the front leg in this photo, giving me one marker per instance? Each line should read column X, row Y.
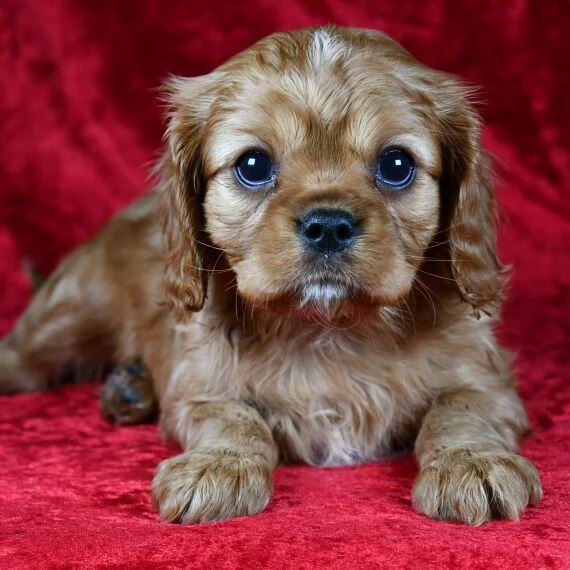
column 465, row 449
column 226, row 468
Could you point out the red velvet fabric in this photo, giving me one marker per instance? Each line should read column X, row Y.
column 79, row 124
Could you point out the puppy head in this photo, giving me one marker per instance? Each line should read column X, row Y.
column 324, row 165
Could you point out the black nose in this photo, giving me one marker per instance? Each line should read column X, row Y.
column 328, row 231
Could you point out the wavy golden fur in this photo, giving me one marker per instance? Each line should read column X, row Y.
column 263, row 351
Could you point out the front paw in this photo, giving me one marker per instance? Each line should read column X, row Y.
column 474, row 487
column 211, row 485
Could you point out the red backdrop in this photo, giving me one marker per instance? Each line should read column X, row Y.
column 79, row 125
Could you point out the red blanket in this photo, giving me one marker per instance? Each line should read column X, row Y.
column 79, row 125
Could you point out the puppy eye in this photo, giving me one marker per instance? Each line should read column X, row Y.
column 395, row 169
column 254, row 169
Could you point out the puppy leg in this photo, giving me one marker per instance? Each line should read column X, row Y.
column 226, row 469
column 128, row 396
column 468, row 469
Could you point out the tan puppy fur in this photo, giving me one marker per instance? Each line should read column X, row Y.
column 263, row 351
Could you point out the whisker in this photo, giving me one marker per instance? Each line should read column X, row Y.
column 424, row 258
column 207, row 270
column 426, row 293
column 208, row 245
column 435, row 275
column 411, row 315
column 230, row 285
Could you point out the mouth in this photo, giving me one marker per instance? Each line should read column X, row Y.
column 323, row 294
column 326, row 288
column 332, row 301
column 325, row 300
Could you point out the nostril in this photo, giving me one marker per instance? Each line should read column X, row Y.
column 314, row 231
column 344, row 232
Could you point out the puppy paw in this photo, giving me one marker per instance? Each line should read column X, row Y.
column 128, row 396
column 476, row 487
column 211, row 485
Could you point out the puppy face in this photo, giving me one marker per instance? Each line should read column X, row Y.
column 325, row 163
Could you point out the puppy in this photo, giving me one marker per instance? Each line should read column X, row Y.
column 314, row 279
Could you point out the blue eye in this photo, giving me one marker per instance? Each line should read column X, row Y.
column 395, row 169
column 254, row 169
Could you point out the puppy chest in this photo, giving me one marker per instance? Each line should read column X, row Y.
column 326, row 411
column 336, row 401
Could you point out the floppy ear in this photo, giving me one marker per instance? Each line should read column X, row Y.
column 182, row 188
column 469, row 208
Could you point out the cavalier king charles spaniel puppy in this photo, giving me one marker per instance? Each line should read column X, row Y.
column 314, row 279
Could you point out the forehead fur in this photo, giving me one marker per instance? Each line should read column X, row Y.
column 326, row 48
column 308, row 66
column 313, row 89
column 323, row 76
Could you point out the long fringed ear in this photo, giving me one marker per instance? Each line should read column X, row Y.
column 182, row 188
column 469, row 209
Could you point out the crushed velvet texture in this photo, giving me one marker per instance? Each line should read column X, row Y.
column 79, row 124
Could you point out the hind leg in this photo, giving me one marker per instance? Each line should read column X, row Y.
column 12, row 376
column 104, row 304
column 66, row 325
